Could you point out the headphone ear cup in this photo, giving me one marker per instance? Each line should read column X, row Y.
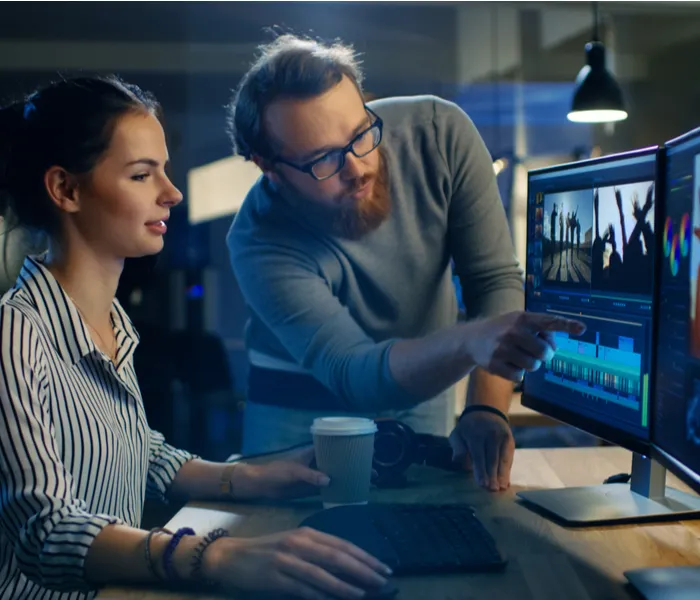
column 436, row 451
column 394, row 451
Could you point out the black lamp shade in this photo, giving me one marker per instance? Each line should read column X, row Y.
column 597, row 96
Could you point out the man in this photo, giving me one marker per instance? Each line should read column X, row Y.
column 342, row 250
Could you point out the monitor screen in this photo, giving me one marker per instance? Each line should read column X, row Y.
column 590, row 255
column 676, row 419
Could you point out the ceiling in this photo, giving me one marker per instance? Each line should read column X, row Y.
column 642, row 30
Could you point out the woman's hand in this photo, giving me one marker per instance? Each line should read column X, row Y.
column 279, row 479
column 304, row 563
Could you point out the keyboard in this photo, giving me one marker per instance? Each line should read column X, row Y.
column 415, row 538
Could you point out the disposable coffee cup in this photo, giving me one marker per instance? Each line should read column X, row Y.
column 344, row 449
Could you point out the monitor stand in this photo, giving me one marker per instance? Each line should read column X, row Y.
column 666, row 583
column 645, row 498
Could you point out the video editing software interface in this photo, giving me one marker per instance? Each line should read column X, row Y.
column 677, row 414
column 590, row 256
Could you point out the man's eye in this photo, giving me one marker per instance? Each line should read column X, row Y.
column 328, row 158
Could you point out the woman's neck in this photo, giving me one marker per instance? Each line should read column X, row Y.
column 91, row 281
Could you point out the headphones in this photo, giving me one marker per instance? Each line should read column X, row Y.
column 397, row 447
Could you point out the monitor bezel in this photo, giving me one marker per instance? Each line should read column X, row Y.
column 663, row 456
column 588, row 162
column 609, row 433
column 681, row 139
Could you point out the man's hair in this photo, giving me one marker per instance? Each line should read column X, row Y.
column 288, row 67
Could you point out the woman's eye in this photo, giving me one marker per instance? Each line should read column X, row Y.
column 140, row 177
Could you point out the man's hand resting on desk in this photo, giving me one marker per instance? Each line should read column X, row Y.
column 484, row 443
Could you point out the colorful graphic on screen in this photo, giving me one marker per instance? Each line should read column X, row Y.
column 694, row 263
column 685, row 234
column 675, row 256
column 668, row 236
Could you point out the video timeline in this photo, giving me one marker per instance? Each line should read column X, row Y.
column 606, row 363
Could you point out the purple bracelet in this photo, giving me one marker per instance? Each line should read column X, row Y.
column 168, row 568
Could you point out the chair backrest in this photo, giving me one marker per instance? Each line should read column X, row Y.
column 16, row 244
column 203, row 362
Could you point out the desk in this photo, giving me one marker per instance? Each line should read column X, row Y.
column 546, row 561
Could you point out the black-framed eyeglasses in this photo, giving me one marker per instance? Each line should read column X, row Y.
column 331, row 163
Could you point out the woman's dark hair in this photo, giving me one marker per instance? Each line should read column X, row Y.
column 288, row 67
column 67, row 124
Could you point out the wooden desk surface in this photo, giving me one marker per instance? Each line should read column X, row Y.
column 546, row 561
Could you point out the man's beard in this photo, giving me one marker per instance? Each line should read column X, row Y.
column 343, row 219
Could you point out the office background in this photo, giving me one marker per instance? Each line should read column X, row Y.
column 509, row 65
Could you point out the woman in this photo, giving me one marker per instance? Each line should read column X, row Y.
column 84, row 162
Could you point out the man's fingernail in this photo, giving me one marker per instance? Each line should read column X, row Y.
column 324, row 480
column 387, row 570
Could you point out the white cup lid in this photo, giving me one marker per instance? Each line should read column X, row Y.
column 343, row 426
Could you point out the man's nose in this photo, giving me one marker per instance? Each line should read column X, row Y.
column 353, row 168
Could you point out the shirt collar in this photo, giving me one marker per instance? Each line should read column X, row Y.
column 68, row 331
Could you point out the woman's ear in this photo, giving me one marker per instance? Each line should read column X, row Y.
column 62, row 188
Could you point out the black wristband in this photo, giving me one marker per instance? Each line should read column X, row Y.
column 484, row 408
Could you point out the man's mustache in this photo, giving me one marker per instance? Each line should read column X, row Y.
column 359, row 183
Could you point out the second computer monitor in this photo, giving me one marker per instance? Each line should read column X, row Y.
column 591, row 254
column 676, row 420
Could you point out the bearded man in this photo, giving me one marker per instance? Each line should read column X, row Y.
column 344, row 251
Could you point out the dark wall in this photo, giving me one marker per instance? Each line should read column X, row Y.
column 663, row 106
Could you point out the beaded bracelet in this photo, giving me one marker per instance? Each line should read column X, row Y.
column 149, row 559
column 211, row 537
column 484, row 408
column 168, row 567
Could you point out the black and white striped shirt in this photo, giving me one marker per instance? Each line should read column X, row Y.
column 76, row 452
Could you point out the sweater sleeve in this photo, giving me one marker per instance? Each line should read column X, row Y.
column 49, row 528
column 286, row 291
column 480, row 240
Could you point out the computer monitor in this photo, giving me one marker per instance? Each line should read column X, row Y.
column 591, row 255
column 675, row 418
